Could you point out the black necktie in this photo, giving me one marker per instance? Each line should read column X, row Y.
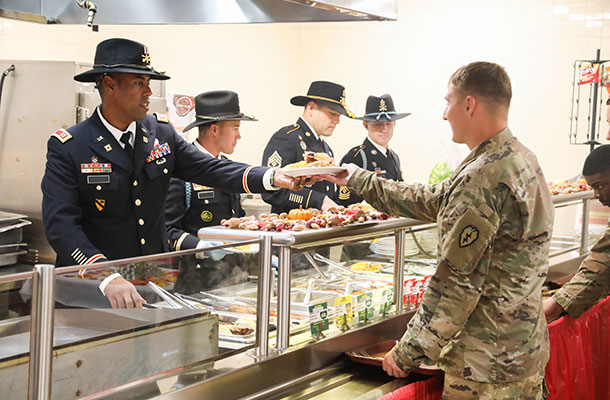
column 128, row 149
column 393, row 161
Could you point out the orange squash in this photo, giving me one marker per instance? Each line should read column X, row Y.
column 299, row 214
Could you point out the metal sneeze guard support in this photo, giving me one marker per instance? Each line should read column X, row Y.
column 41, row 332
column 263, row 298
column 399, row 271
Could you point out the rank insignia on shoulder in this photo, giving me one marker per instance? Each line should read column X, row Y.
column 274, row 160
column 344, row 193
column 161, row 118
column 62, row 135
column 294, row 128
column 206, row 216
column 468, row 236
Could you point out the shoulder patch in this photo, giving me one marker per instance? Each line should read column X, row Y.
column 161, row 118
column 62, row 135
column 295, row 127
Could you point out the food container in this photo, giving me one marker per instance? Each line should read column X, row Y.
column 11, row 233
column 373, row 354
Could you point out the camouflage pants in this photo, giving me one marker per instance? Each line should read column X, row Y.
column 456, row 388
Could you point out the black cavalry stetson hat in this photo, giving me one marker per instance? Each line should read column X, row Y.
column 218, row 105
column 328, row 93
column 380, row 109
column 120, row 56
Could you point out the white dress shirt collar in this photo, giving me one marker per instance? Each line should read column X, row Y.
column 203, row 149
column 117, row 133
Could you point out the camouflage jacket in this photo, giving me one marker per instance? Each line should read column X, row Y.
column 591, row 282
column 481, row 317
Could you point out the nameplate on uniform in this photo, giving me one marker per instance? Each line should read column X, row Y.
column 206, row 194
column 95, row 179
column 95, row 168
column 158, row 151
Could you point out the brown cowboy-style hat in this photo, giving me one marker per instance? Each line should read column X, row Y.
column 381, row 109
column 328, row 93
column 218, row 105
column 120, row 56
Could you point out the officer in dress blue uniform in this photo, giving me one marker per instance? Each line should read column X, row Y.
column 323, row 106
column 374, row 154
column 191, row 206
column 106, row 179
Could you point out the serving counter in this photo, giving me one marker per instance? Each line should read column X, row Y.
column 261, row 338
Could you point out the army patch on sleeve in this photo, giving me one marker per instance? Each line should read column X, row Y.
column 468, row 236
column 344, row 193
column 62, row 135
column 274, row 160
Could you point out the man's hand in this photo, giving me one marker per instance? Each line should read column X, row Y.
column 327, row 203
column 122, row 294
column 390, row 366
column 552, row 309
column 342, row 178
column 288, row 182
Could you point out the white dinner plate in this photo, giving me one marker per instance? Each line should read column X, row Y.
column 244, row 249
column 314, row 171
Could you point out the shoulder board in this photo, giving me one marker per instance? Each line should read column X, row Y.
column 294, row 128
column 161, row 118
column 62, row 135
column 358, row 149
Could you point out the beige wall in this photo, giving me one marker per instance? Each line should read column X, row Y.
column 411, row 59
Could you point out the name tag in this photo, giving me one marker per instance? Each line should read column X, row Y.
column 95, row 179
column 207, row 194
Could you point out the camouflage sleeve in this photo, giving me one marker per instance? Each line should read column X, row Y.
column 591, row 282
column 399, row 198
column 467, row 228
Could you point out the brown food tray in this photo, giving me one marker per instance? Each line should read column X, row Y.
column 373, row 354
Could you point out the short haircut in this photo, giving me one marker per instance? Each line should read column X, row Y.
column 597, row 161
column 488, row 80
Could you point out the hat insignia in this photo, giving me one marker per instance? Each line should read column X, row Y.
column 146, row 56
column 342, row 101
column 382, row 105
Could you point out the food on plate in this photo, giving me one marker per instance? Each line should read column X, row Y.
column 567, row 187
column 366, row 267
column 312, row 160
column 242, row 309
column 301, row 219
column 243, row 326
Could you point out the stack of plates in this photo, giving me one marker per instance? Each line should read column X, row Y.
column 386, row 246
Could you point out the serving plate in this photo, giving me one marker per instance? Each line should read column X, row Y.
column 309, row 171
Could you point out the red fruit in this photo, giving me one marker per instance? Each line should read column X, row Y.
column 279, row 226
column 352, row 211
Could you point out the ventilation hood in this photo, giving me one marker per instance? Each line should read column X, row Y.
column 107, row 12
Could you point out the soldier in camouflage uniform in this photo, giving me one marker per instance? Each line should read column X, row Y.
column 481, row 319
column 592, row 281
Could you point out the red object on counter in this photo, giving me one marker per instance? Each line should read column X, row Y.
column 429, row 389
column 579, row 364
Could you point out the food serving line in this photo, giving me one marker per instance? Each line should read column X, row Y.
column 271, row 373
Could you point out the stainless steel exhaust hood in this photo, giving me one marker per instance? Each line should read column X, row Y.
column 106, row 12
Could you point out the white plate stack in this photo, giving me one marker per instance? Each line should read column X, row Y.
column 386, row 246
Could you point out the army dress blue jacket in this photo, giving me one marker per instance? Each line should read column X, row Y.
column 368, row 156
column 191, row 206
column 287, row 146
column 99, row 204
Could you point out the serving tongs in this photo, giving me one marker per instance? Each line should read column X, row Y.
column 173, row 301
column 223, row 301
column 314, row 264
column 338, row 266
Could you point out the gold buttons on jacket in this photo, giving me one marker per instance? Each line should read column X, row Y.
column 138, row 202
column 143, row 241
column 135, row 183
column 165, row 171
column 141, row 221
column 98, row 187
